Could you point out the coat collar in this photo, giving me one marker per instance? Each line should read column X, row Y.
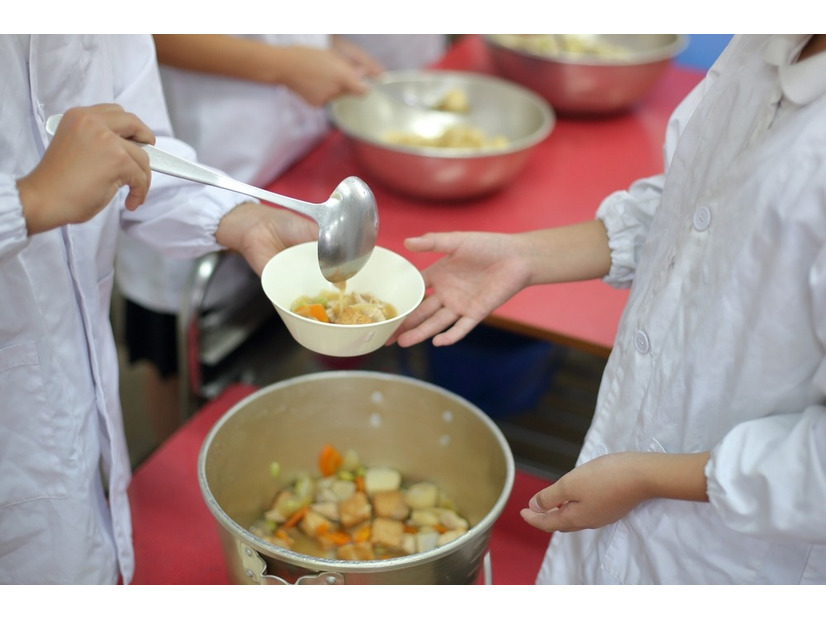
column 801, row 82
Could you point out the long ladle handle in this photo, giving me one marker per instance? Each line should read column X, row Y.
column 168, row 163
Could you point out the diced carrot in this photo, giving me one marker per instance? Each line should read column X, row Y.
column 321, row 530
column 296, row 517
column 313, row 311
column 329, row 460
column 336, row 538
column 360, row 484
column 440, row 528
column 282, row 534
column 362, row 534
column 410, row 529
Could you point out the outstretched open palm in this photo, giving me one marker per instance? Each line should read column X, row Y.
column 479, row 272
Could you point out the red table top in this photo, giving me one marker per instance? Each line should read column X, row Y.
column 578, row 164
column 176, row 537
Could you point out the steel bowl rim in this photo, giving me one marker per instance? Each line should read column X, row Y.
column 517, row 145
column 639, row 58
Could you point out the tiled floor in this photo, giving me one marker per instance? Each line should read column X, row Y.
column 545, row 431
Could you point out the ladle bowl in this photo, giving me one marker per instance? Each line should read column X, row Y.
column 347, row 221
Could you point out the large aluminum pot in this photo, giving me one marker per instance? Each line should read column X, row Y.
column 422, row 430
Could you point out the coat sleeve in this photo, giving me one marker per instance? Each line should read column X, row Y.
column 13, row 235
column 767, row 477
column 179, row 217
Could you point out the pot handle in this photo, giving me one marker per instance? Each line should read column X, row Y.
column 255, row 568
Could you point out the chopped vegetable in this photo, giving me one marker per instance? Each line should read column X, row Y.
column 362, row 533
column 381, row 479
column 313, row 311
column 335, row 538
column 422, row 495
column 353, row 512
column 296, row 516
column 329, row 460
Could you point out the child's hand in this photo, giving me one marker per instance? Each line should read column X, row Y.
column 479, row 272
column 320, row 75
column 604, row 490
column 89, row 159
column 258, row 232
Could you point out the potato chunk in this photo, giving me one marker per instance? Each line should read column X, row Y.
column 422, row 495
column 378, row 479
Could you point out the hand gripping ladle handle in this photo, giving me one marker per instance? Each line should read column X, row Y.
column 168, row 163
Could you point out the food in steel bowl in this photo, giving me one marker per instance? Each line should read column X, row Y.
column 517, row 119
column 585, row 74
column 552, row 45
column 356, row 511
column 457, row 137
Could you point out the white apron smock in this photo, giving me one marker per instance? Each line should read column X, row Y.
column 722, row 344
column 251, row 131
column 64, row 465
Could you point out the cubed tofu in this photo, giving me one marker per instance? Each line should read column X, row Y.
column 390, row 504
column 314, row 524
column 354, row 509
column 356, row 551
column 422, row 495
column 378, row 479
column 387, row 532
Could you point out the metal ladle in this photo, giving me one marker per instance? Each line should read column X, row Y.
column 347, row 221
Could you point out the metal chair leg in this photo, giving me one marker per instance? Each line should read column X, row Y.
column 192, row 305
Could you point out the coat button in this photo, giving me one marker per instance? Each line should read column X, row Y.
column 641, row 343
column 702, row 219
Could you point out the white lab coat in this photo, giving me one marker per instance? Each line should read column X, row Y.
column 60, row 419
column 722, row 344
column 251, row 131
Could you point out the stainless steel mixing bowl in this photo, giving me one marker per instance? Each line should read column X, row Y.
column 586, row 82
column 497, row 107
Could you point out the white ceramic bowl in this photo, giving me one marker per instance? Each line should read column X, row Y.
column 295, row 272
